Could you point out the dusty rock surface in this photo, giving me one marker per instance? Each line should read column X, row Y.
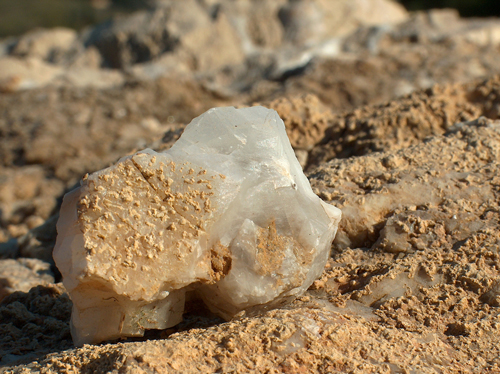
column 420, row 114
column 415, row 265
column 394, row 122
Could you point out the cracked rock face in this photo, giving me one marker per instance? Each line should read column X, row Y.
column 226, row 212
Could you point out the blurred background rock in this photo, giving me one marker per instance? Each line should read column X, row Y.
column 19, row 16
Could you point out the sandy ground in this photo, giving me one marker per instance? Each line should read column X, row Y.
column 398, row 130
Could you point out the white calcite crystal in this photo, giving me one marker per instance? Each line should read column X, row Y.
column 226, row 212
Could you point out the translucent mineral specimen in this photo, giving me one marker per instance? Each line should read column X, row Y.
column 226, row 212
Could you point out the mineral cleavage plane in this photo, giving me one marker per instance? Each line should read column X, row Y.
column 226, row 214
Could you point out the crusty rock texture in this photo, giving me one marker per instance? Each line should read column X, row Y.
column 226, row 212
column 438, row 173
column 420, row 114
column 306, row 119
column 421, row 274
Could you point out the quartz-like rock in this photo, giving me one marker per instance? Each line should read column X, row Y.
column 227, row 212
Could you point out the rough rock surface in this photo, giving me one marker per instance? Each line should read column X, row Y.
column 422, row 274
column 306, row 119
column 273, row 342
column 226, row 212
column 420, row 114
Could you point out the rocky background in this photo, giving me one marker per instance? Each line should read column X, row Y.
column 392, row 115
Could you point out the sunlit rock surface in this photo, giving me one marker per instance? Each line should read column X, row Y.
column 227, row 212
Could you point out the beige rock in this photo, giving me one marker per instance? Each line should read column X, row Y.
column 22, row 275
column 18, row 74
column 21, row 74
column 303, row 22
column 88, row 77
column 90, row 58
column 27, row 192
column 370, row 189
column 47, row 44
column 213, row 46
column 406, row 121
column 256, row 23
column 306, row 119
column 39, row 241
column 484, row 35
column 310, row 22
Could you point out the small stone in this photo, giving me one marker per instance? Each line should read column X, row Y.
column 227, row 211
